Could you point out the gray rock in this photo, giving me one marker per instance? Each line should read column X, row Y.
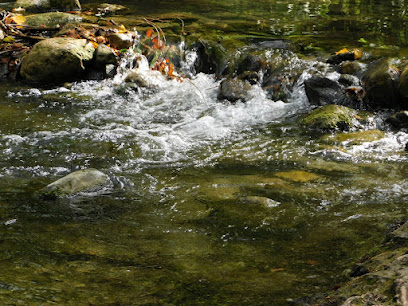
column 234, row 90
column 323, row 91
column 121, row 40
column 48, row 5
column 57, row 60
column 104, row 56
column 381, row 85
column 52, row 19
column 78, row 181
column 350, row 67
column 349, row 80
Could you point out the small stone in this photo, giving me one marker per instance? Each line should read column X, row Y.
column 233, row 90
column 323, row 91
column 81, row 180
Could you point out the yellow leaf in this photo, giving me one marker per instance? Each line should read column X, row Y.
column 17, row 19
column 357, row 53
column 122, row 29
column 94, row 44
column 9, row 39
column 344, row 50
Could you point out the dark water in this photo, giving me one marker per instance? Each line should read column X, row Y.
column 213, row 203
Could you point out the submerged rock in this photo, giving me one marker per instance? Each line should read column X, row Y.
column 233, row 90
column 381, row 85
column 48, row 5
column 78, row 181
column 322, row 91
column 57, row 60
column 52, row 19
column 331, row 117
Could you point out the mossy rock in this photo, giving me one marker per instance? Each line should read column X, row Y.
column 331, row 118
column 57, row 60
column 52, row 19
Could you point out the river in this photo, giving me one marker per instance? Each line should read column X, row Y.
column 213, row 203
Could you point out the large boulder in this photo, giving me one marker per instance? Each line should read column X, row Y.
column 48, row 5
column 323, row 91
column 78, row 181
column 57, row 60
column 233, row 90
column 381, row 85
column 330, row 118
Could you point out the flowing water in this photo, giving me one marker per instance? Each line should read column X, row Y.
column 212, row 203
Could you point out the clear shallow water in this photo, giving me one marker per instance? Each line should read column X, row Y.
column 213, row 203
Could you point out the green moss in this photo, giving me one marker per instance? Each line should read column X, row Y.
column 331, row 117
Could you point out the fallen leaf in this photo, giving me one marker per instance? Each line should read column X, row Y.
column 357, row 53
column 344, row 50
column 149, row 33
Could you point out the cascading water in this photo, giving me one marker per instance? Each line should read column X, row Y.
column 213, row 202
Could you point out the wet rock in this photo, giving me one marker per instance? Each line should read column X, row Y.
column 350, row 67
column 403, row 86
column 349, row 80
column 78, row 181
column 337, row 58
column 381, row 85
column 211, row 58
column 141, row 78
column 52, row 19
column 280, row 75
column 323, row 91
column 57, row 60
column 331, row 117
column 399, row 120
column 233, row 90
column 249, row 63
column 104, row 56
column 48, row 5
column 359, row 270
column 401, row 232
column 121, row 40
